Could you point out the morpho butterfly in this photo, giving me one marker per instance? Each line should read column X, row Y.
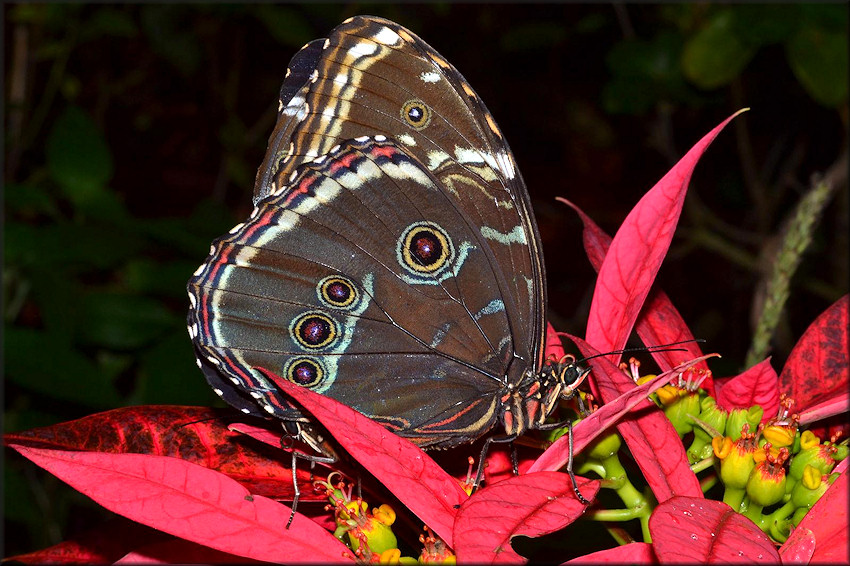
column 392, row 261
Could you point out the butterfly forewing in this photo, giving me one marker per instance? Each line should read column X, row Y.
column 370, row 78
column 392, row 261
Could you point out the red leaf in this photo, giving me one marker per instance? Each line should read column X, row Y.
column 632, row 553
column 530, row 505
column 647, row 431
column 756, row 386
column 418, row 482
column 191, row 502
column 818, row 366
column 105, row 544
column 689, row 530
column 828, row 521
column 636, row 253
column 177, row 551
column 195, row 434
column 659, row 321
column 554, row 348
column 799, row 547
column 837, row 405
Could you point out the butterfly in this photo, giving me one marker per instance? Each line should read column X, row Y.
column 392, row 260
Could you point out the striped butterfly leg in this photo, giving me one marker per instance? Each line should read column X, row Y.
column 325, row 454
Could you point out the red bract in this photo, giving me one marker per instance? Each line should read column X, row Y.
column 818, row 369
column 689, row 530
column 532, row 505
column 636, row 252
column 755, row 386
column 190, row 502
column 427, row 490
column 195, row 434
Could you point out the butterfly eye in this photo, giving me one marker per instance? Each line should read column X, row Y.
column 416, row 114
column 336, row 291
column 424, row 248
column 305, row 372
column 314, row 330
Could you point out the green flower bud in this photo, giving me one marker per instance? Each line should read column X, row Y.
column 766, row 484
column 680, row 411
column 819, row 456
column 713, row 418
column 738, row 417
column 809, row 489
column 736, row 460
column 604, row 447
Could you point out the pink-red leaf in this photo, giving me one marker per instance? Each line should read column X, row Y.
column 102, row 545
column 530, row 505
column 191, row 502
column 636, row 252
column 828, row 521
column 647, row 431
column 756, row 386
column 632, row 553
column 818, row 366
column 799, row 547
column 689, row 530
column 423, row 486
column 195, row 434
column 554, row 348
column 177, row 551
column 836, row 405
column 659, row 322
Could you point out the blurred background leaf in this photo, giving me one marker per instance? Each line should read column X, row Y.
column 133, row 132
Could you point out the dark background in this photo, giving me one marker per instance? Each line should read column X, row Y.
column 133, row 133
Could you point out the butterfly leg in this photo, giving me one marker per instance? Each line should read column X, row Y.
column 483, row 457
column 570, row 464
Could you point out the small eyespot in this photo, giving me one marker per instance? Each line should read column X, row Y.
column 305, row 372
column 336, row 291
column 424, row 248
column 416, row 114
column 314, row 330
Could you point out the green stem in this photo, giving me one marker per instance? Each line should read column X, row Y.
column 733, row 496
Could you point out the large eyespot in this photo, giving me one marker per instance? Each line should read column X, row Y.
column 425, row 249
column 314, row 330
column 339, row 292
column 305, row 372
column 416, row 114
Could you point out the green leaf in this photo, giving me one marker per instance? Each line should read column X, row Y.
column 122, row 321
column 758, row 24
column 37, row 361
column 29, row 200
column 76, row 247
column 168, row 27
column 532, row 35
column 108, row 21
column 715, row 55
column 167, row 279
column 286, row 25
column 819, row 60
column 77, row 156
column 168, row 374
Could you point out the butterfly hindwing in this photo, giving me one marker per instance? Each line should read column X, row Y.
column 362, row 281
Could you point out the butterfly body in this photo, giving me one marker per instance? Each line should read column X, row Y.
column 392, row 261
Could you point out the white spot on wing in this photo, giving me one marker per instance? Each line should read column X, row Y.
column 361, row 49
column 429, row 77
column 515, row 236
column 387, row 36
column 407, row 139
